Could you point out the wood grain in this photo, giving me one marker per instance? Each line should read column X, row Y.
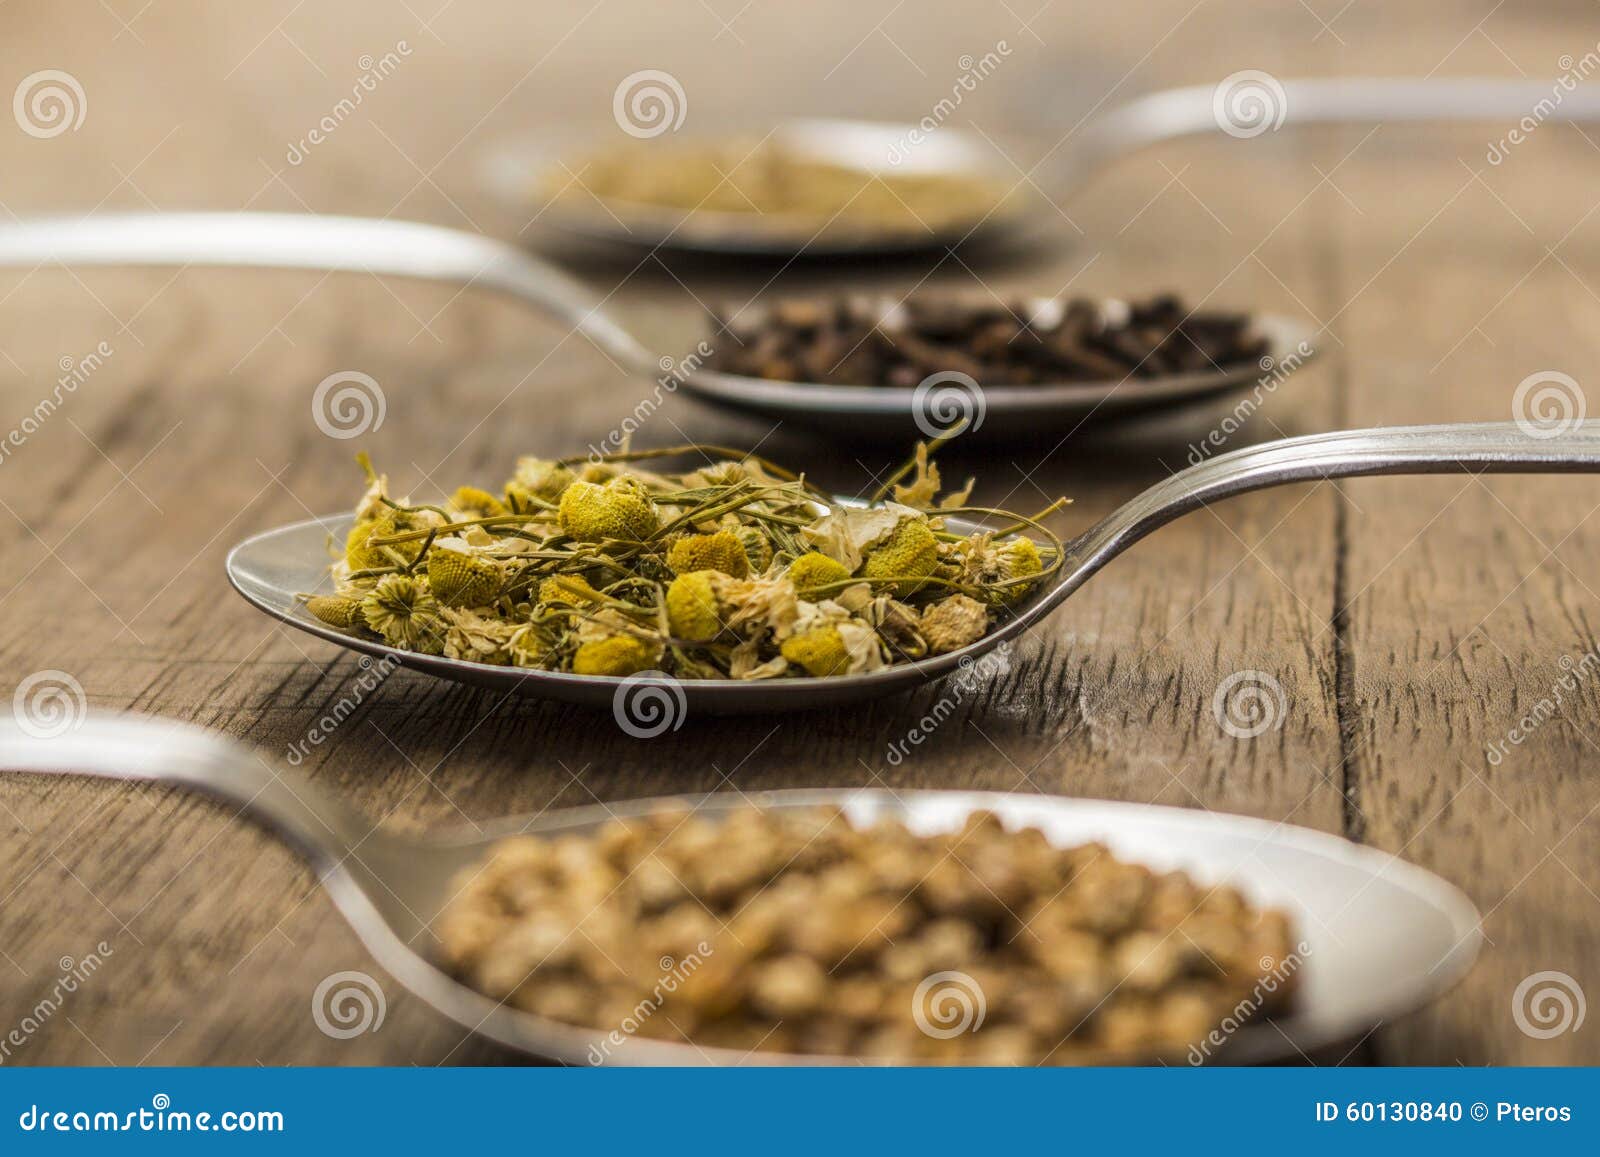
column 1364, row 607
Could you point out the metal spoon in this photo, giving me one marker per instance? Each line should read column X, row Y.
column 1244, row 104
column 1381, row 936
column 271, row 568
column 411, row 249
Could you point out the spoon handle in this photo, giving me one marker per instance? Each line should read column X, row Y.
column 1464, row 448
column 1251, row 104
column 52, row 734
column 334, row 244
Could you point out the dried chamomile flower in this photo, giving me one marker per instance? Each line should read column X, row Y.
column 923, row 490
column 362, row 553
column 402, row 609
column 615, row 655
column 757, row 547
column 693, row 609
column 608, row 567
column 721, row 551
column 899, row 626
column 910, row 552
column 953, row 623
column 619, row 509
column 1019, row 558
column 821, row 651
column 475, row 503
column 337, row 610
column 568, row 588
column 537, row 481
column 813, row 570
column 477, row 638
column 460, row 578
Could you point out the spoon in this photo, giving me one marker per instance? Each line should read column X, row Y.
column 433, row 253
column 1246, row 104
column 271, row 568
column 1381, row 936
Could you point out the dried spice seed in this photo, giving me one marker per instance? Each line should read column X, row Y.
column 865, row 342
column 807, row 933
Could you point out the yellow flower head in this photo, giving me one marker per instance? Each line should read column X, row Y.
column 461, row 579
column 405, row 613
column 815, row 569
column 910, row 552
column 721, row 551
column 475, row 503
column 694, row 612
column 620, row 508
column 616, row 655
column 568, row 588
column 342, row 611
column 1018, row 558
column 362, row 554
column 819, row 651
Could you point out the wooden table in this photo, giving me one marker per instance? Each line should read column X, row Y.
column 1410, row 623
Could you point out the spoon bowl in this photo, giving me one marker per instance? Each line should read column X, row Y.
column 411, row 249
column 1242, row 105
column 271, row 569
column 1379, row 936
column 512, row 171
